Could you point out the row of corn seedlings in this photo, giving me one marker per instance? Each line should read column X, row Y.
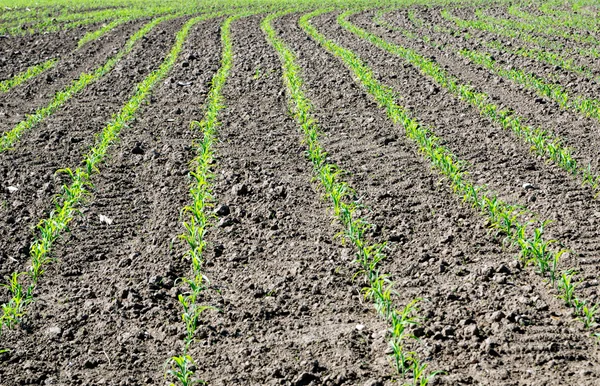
column 26, row 75
column 589, row 107
column 379, row 19
column 577, row 17
column 33, row 71
column 22, row 284
column 368, row 255
column 93, row 35
column 547, row 30
column 543, row 55
column 528, row 235
column 543, row 142
column 199, row 215
column 501, row 30
column 570, row 22
column 548, row 57
column 72, row 20
column 11, row 137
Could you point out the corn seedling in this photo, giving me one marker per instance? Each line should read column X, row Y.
column 542, row 142
column 10, row 138
column 566, row 285
column 379, row 288
column 73, row 195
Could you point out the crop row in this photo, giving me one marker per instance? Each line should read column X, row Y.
column 339, row 193
column 539, row 28
column 510, row 32
column 199, row 213
column 566, row 20
column 9, row 139
column 527, row 236
column 543, row 142
column 74, row 20
column 544, row 55
column 22, row 284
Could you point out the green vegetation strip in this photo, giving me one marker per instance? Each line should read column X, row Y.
column 101, row 31
column 10, row 138
column 24, row 76
column 23, row 284
column 536, row 28
column 523, row 36
column 573, row 21
column 578, row 103
column 72, row 20
column 199, row 213
column 545, row 56
column 33, row 71
column 528, row 236
column 543, row 142
column 369, row 255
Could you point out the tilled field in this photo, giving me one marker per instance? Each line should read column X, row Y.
column 348, row 197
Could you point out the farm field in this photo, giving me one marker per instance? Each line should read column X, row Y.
column 337, row 193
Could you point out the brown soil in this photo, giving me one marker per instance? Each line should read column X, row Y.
column 61, row 141
column 38, row 92
column 17, row 53
column 288, row 309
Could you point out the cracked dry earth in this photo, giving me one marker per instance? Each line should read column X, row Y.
column 288, row 307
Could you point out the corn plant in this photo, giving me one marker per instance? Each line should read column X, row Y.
column 588, row 315
column 567, row 286
column 74, row 194
column 542, row 142
column 533, row 247
column 379, row 288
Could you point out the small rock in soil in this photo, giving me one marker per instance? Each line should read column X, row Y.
column 497, row 316
column 240, row 190
column 305, row 379
column 471, row 330
column 218, row 250
column 12, row 189
column 137, row 149
column 53, row 332
column 104, row 219
column 528, row 186
column 223, row 210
